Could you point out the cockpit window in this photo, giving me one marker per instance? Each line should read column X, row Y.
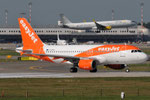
column 139, row 51
column 134, row 51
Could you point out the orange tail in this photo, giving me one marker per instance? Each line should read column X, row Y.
column 29, row 38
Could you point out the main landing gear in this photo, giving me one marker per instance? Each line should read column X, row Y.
column 73, row 70
column 93, row 71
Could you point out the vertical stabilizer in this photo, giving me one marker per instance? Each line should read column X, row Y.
column 29, row 38
column 64, row 19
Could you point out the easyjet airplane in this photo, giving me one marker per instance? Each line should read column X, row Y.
column 85, row 57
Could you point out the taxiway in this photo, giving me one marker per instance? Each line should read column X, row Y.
column 43, row 69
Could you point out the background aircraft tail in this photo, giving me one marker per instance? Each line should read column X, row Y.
column 30, row 39
column 64, row 19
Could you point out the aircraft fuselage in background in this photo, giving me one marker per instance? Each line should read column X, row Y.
column 100, row 25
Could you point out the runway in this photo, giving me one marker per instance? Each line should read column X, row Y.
column 43, row 69
column 74, row 75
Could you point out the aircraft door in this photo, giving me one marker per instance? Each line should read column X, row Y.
column 122, row 52
column 123, row 55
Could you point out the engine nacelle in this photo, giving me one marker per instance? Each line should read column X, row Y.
column 116, row 66
column 88, row 64
column 108, row 27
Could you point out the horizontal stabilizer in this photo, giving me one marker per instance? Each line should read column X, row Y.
column 29, row 51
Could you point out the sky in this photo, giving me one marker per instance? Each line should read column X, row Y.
column 46, row 12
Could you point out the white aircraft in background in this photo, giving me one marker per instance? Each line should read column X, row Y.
column 60, row 42
column 99, row 25
column 85, row 57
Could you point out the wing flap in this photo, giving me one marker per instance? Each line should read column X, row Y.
column 59, row 56
column 66, row 57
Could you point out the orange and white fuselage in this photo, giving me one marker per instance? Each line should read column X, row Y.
column 83, row 56
column 105, row 54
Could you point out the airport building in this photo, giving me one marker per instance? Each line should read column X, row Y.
column 49, row 34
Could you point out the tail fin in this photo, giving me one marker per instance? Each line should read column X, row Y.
column 29, row 38
column 64, row 19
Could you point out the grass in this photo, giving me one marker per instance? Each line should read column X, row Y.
column 76, row 88
column 9, row 60
column 78, row 98
column 5, row 52
column 146, row 50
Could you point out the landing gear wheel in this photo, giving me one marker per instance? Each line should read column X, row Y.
column 93, row 71
column 127, row 70
column 73, row 70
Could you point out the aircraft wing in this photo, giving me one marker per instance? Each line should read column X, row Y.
column 66, row 57
column 102, row 27
column 59, row 56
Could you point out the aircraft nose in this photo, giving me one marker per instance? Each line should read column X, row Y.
column 144, row 57
column 134, row 22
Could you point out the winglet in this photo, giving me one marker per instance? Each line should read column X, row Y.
column 29, row 38
column 94, row 20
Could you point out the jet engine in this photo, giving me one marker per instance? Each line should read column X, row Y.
column 116, row 66
column 108, row 28
column 88, row 64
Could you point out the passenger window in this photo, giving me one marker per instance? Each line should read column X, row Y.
column 132, row 51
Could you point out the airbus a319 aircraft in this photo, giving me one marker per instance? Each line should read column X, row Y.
column 85, row 57
column 99, row 25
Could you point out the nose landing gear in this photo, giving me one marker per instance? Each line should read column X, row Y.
column 127, row 68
